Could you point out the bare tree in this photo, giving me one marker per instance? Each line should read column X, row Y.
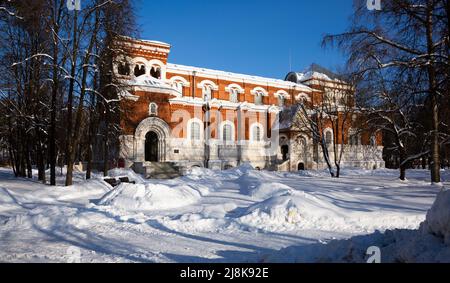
column 404, row 35
column 332, row 109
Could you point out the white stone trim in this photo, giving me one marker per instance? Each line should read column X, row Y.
column 235, row 86
column 161, row 128
column 237, row 78
column 203, row 83
column 303, row 95
column 261, row 90
column 150, row 109
column 282, row 93
column 180, row 79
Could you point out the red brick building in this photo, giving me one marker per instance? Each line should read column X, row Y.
column 189, row 116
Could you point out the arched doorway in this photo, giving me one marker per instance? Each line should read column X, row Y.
column 285, row 152
column 151, row 147
column 301, row 166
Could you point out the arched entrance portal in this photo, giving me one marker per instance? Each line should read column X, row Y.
column 151, row 147
column 151, row 137
column 301, row 167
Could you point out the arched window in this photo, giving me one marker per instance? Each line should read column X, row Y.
column 281, row 100
column 178, row 86
column 139, row 70
column 227, row 132
column 234, row 94
column 354, row 138
column 153, row 109
column 256, row 133
column 373, row 140
column 123, row 69
column 207, row 93
column 195, row 131
column 155, row 72
column 234, row 90
column 259, row 98
column 328, row 137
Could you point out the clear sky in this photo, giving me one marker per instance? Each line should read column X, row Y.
column 246, row 36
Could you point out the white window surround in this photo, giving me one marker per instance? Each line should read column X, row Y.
column 259, row 91
column 189, row 129
column 178, row 86
column 326, row 132
column 207, row 93
column 234, row 86
column 149, row 64
column 354, row 138
column 179, row 79
column 253, row 127
column 282, row 93
column 209, row 83
column 303, row 96
column 153, row 109
column 222, row 126
column 234, row 90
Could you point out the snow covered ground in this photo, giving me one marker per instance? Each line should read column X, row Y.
column 239, row 215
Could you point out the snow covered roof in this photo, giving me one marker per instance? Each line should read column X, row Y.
column 155, row 42
column 287, row 117
column 313, row 72
column 236, row 76
column 149, row 81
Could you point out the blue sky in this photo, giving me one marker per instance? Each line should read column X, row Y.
column 246, row 36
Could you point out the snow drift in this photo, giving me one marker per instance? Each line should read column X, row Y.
column 438, row 217
column 256, row 184
column 428, row 244
column 135, row 197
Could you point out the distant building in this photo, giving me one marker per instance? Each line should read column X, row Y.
column 187, row 116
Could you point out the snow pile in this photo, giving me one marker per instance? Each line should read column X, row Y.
column 429, row 244
column 209, row 219
column 257, row 185
column 295, row 210
column 129, row 173
column 438, row 217
column 197, row 173
column 241, row 170
column 136, row 197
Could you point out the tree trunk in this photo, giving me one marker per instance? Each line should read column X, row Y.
column 403, row 172
column 402, row 165
column 40, row 160
column 106, row 146
column 432, row 86
column 52, row 137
